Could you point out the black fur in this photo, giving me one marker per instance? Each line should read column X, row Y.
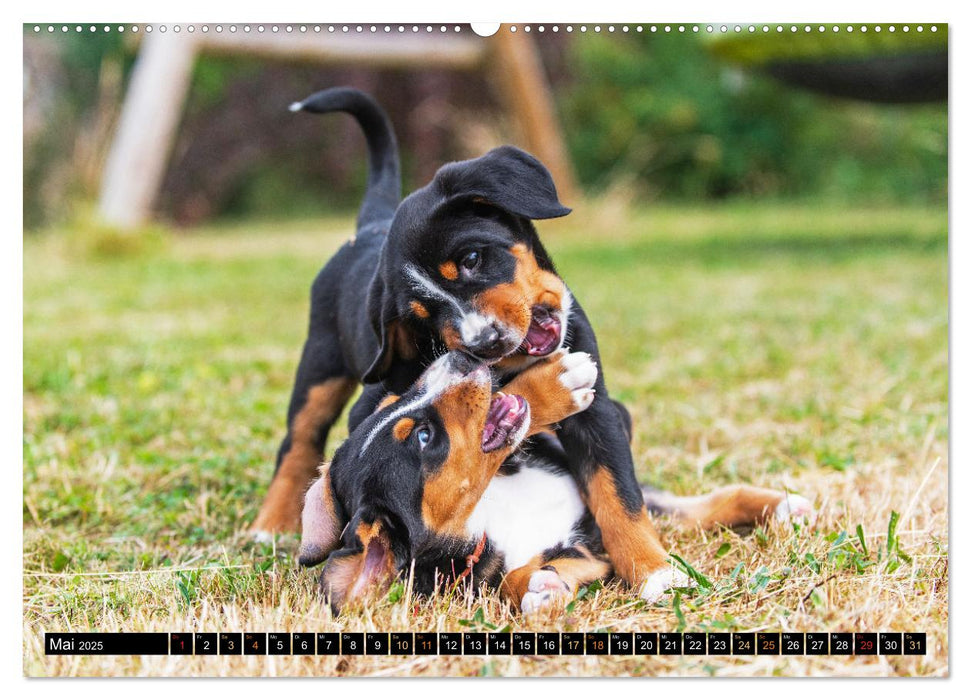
column 361, row 325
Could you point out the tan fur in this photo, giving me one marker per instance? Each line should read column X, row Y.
column 512, row 303
column 452, row 492
column 387, row 401
column 549, row 401
column 730, row 506
column 402, row 429
column 449, row 270
column 418, row 309
column 283, row 504
column 629, row 538
column 451, row 336
column 574, row 572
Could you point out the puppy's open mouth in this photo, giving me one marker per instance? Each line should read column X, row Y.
column 506, row 415
column 543, row 336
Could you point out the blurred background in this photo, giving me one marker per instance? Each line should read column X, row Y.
column 644, row 117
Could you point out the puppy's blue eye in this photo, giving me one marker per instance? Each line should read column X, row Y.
column 471, row 260
column 423, row 435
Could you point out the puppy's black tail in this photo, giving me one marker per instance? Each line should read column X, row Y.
column 384, row 172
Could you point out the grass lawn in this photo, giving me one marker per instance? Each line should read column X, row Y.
column 795, row 347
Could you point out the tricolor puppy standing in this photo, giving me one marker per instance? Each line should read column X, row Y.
column 458, row 265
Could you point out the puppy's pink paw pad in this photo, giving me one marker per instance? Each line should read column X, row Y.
column 545, row 588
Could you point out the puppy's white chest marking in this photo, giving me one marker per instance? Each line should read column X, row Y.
column 526, row 513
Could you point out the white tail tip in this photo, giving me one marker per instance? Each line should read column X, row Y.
column 296, row 106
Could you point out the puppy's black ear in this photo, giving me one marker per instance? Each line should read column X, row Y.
column 505, row 177
column 394, row 339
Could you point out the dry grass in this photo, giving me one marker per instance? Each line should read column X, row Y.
column 788, row 347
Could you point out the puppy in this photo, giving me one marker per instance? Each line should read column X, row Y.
column 434, row 485
column 413, row 486
column 458, row 263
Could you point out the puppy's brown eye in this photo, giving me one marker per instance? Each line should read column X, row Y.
column 470, row 260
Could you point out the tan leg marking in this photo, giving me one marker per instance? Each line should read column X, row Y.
column 281, row 508
column 572, row 571
column 731, row 506
column 629, row 538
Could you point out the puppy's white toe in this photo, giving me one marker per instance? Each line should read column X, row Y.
column 663, row 580
column 544, row 589
column 794, row 507
column 579, row 371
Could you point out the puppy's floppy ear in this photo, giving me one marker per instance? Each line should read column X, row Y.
column 393, row 337
column 321, row 520
column 505, row 177
column 352, row 573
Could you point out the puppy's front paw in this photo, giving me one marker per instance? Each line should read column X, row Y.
column 579, row 374
column 545, row 589
column 662, row 580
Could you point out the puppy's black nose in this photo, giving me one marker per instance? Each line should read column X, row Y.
column 487, row 344
column 463, row 363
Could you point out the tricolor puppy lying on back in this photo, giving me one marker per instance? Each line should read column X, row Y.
column 434, row 481
column 414, row 483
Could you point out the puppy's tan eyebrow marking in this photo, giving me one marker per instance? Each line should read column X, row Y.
column 387, row 401
column 402, row 429
column 418, row 309
column 449, row 270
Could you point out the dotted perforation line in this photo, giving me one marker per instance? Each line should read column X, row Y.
column 428, row 28
column 719, row 28
column 253, row 28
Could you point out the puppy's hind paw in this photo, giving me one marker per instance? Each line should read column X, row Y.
column 662, row 580
column 545, row 589
column 794, row 507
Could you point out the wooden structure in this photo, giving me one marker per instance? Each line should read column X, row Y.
column 161, row 76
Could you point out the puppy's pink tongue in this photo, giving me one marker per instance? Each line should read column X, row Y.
column 543, row 335
column 505, row 415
